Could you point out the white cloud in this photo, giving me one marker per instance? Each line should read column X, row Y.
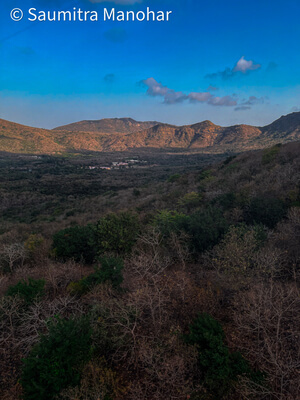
column 243, row 66
column 170, row 96
column 157, row 89
column 198, row 96
column 222, row 101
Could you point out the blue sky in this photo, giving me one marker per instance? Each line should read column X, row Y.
column 230, row 62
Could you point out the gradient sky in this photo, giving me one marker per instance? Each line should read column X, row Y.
column 228, row 61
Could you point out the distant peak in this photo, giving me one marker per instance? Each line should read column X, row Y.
column 204, row 124
column 207, row 122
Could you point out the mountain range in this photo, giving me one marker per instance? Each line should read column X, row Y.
column 121, row 134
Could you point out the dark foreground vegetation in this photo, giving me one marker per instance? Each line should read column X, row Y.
column 174, row 280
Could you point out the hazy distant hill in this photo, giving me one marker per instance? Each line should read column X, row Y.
column 125, row 133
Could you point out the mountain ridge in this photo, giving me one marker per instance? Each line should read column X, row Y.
column 121, row 134
column 107, row 125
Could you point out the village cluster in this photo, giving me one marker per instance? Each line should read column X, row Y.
column 120, row 165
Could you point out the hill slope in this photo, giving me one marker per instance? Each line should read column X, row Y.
column 287, row 126
column 16, row 138
column 123, row 134
column 108, row 125
column 204, row 135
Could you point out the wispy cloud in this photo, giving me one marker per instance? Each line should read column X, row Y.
column 253, row 100
column 242, row 108
column 157, row 89
column 246, row 104
column 222, row 101
column 170, row 96
column 243, row 66
column 200, row 97
column 212, row 88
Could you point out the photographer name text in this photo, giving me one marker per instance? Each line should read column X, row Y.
column 77, row 14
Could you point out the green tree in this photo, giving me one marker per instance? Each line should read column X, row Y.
column 168, row 221
column 174, row 178
column 269, row 155
column 265, row 210
column 29, row 290
column 205, row 227
column 117, row 233
column 219, row 368
column 57, row 360
column 108, row 270
column 190, row 200
column 77, row 242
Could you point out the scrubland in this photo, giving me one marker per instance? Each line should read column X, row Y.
column 175, row 280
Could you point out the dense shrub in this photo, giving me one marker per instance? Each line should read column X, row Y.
column 228, row 160
column 205, row 227
column 227, row 200
column 270, row 154
column 57, row 360
column 219, row 368
column 77, row 242
column 190, row 200
column 136, row 192
column 265, row 210
column 168, row 221
column 206, row 174
column 174, row 178
column 29, row 290
column 117, row 233
column 109, row 270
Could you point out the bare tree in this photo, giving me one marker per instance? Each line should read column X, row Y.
column 12, row 254
column 268, row 320
column 149, row 257
column 10, row 314
column 165, row 369
column 287, row 239
column 21, row 327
